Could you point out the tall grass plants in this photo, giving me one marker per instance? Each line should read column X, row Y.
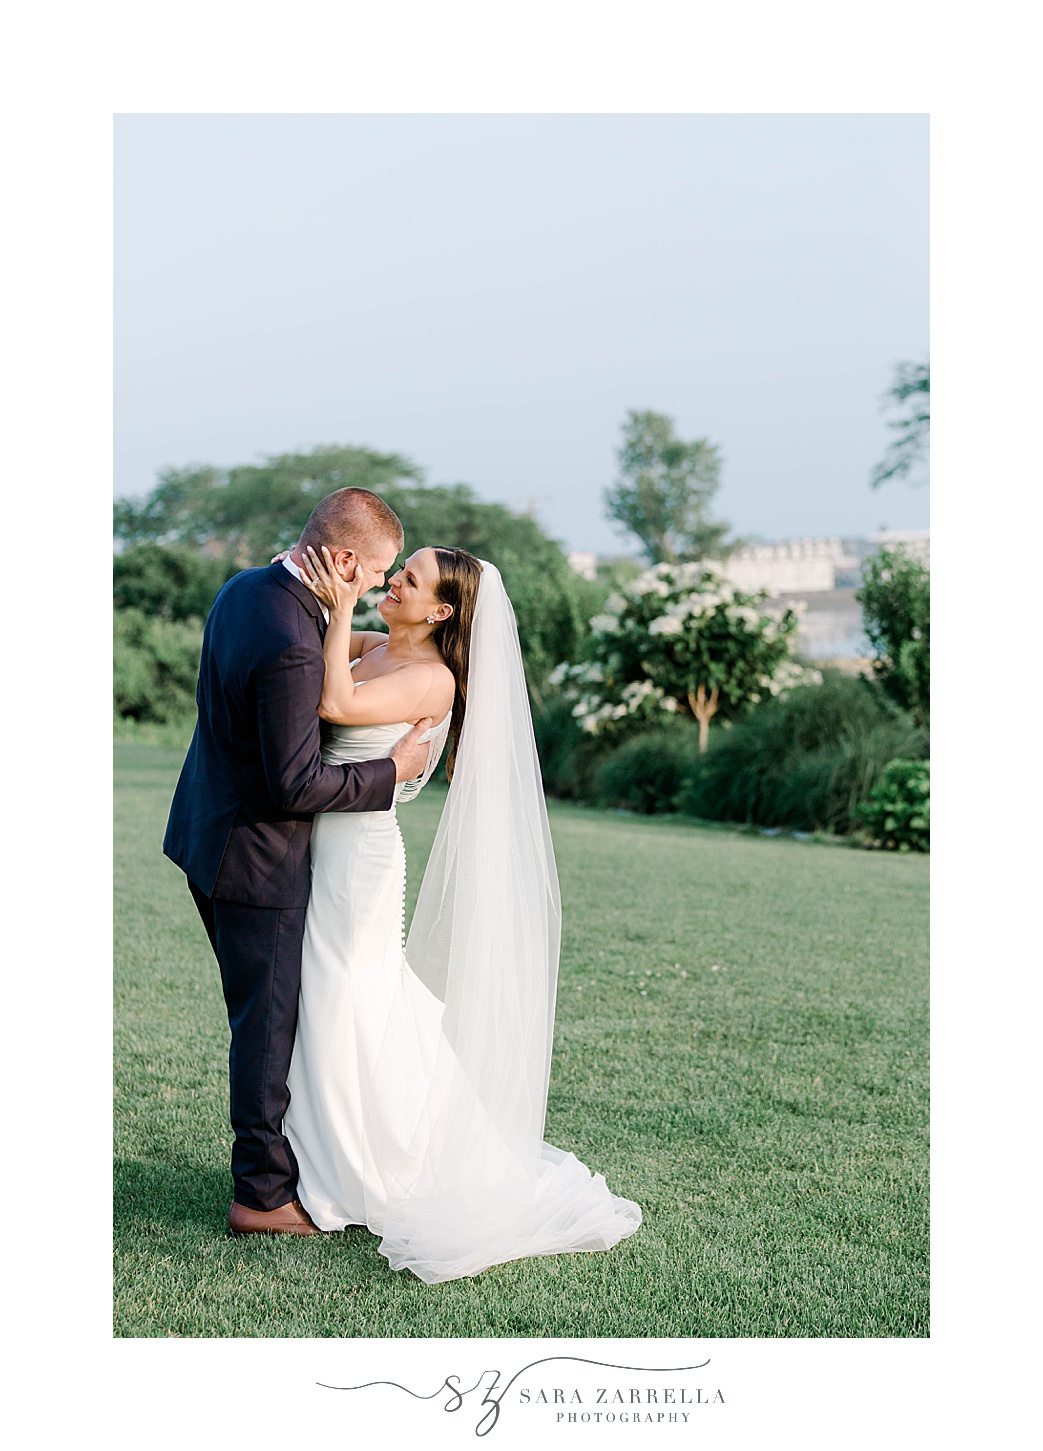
column 803, row 761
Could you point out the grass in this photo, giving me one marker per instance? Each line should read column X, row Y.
column 741, row 1047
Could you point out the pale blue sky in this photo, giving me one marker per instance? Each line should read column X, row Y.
column 490, row 294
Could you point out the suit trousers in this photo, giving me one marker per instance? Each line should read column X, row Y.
column 258, row 950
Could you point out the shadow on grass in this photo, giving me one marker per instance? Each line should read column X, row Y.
column 149, row 1194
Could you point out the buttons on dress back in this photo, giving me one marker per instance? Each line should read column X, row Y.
column 405, row 865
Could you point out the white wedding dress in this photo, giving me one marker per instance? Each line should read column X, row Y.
column 416, row 1107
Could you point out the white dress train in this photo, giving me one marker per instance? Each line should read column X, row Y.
column 389, row 1128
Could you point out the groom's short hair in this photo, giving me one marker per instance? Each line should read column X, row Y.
column 352, row 519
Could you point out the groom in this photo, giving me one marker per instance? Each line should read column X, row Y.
column 240, row 822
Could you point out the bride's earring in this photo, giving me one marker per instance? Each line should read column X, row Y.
column 430, row 619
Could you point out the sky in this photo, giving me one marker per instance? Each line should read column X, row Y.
column 490, row 294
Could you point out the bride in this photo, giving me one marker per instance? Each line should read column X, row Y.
column 418, row 1085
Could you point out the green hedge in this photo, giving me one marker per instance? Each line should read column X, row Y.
column 648, row 772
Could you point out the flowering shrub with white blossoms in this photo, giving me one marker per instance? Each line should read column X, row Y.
column 681, row 639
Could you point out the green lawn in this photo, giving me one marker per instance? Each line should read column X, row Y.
column 741, row 1047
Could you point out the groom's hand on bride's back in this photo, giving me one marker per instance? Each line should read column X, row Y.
column 410, row 755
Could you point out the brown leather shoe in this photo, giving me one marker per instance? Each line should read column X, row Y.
column 288, row 1219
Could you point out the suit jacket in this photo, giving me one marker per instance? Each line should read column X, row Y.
column 240, row 821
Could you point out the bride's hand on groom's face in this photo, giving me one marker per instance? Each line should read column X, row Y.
column 326, row 582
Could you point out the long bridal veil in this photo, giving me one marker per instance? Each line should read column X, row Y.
column 474, row 1184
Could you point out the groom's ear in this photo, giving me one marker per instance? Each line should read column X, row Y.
column 344, row 562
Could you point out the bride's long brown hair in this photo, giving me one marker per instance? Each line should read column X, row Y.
column 458, row 577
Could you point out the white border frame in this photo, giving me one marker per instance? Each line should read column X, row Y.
column 73, row 68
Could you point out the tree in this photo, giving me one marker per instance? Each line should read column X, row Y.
column 664, row 490
column 911, row 391
column 681, row 640
column 249, row 512
column 896, row 610
column 242, row 516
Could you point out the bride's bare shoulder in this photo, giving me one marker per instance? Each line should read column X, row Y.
column 443, row 682
column 441, row 689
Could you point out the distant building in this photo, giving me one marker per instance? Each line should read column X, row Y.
column 793, row 566
column 584, row 562
column 916, row 541
column 816, row 566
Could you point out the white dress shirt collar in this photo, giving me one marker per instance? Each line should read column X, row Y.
column 289, row 564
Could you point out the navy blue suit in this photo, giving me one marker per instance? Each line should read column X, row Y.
column 239, row 828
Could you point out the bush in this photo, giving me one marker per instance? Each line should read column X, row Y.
column 897, row 812
column 647, row 772
column 644, row 773
column 155, row 666
column 172, row 583
column 805, row 761
column 568, row 755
